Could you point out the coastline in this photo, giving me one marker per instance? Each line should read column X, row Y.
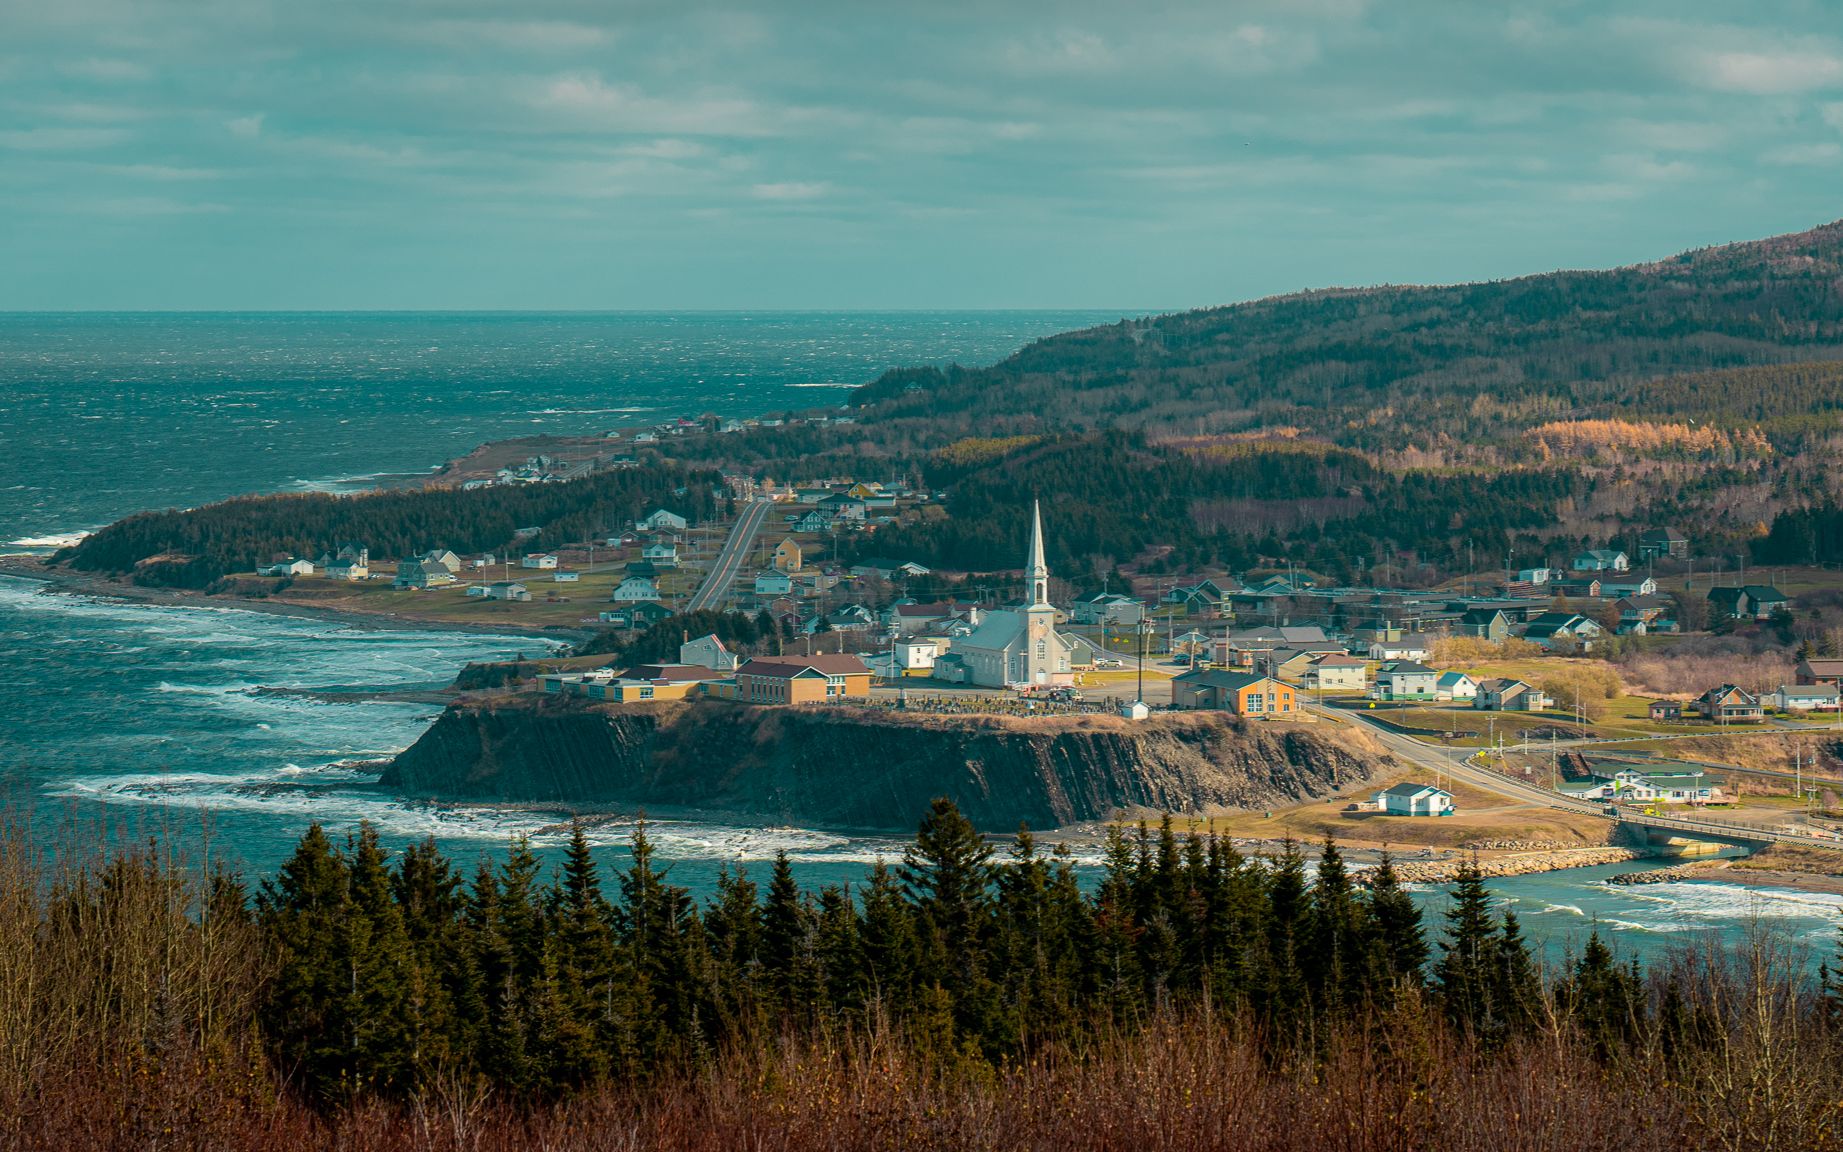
column 83, row 584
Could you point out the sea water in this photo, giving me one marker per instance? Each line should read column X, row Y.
column 162, row 719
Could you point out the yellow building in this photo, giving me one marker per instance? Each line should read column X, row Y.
column 787, row 556
column 803, row 680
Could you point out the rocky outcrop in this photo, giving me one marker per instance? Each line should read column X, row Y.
column 1445, row 871
column 872, row 769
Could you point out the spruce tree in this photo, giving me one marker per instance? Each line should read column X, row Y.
column 1397, row 944
column 1466, row 973
column 303, row 910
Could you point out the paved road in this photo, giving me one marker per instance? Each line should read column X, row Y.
column 1453, row 763
column 714, row 591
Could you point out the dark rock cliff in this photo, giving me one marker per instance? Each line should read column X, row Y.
column 870, row 769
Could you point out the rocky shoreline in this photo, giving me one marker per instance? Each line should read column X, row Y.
column 1518, row 864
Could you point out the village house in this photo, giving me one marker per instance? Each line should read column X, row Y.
column 1204, row 598
column 1484, row 623
column 635, row 589
column 639, row 683
column 344, row 567
column 802, row 680
column 845, row 618
column 662, row 521
column 1643, row 615
column 1820, row 670
column 1111, row 608
column 1632, row 786
column 421, row 575
column 1405, row 680
column 1535, row 577
column 1730, row 704
column 500, row 590
column 1414, row 800
column 883, row 569
column 1665, row 711
column 1455, row 686
column 1804, row 698
column 1249, row 648
column 708, row 651
column 919, row 653
column 290, row 567
column 1662, row 543
column 845, row 509
column 566, row 576
column 1413, row 646
column 1748, row 602
column 788, row 556
column 442, row 557
column 539, row 560
column 1337, row 672
column 812, row 522
column 1243, row 694
column 906, row 617
column 1602, row 560
column 773, row 584
column 1563, row 630
column 1633, row 585
column 661, row 554
column 1501, row 694
column 1582, row 589
column 638, row 616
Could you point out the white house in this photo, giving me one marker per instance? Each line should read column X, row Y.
column 663, row 521
column 1405, row 680
column 500, row 590
column 1602, row 560
column 1505, row 695
column 1628, row 586
column 1414, row 800
column 1455, row 686
column 1107, row 608
column 635, row 589
column 1532, row 575
column 661, row 554
column 773, row 584
column 567, row 576
column 1804, row 698
column 1411, row 647
column 443, row 557
column 1334, row 671
column 288, row 568
column 1648, row 788
column 708, row 651
column 546, row 560
column 348, row 569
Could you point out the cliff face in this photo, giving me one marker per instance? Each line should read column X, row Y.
column 872, row 770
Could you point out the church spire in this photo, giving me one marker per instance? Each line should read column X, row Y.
column 1036, row 571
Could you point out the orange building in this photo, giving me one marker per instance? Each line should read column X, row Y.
column 803, row 680
column 1243, row 694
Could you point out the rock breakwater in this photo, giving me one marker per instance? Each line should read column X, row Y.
column 1519, row 864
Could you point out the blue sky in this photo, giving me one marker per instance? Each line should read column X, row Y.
column 553, row 154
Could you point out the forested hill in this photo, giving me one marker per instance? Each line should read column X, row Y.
column 1383, row 368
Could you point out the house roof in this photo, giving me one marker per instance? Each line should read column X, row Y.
column 1413, row 791
column 1339, row 660
column 1820, row 691
column 1408, row 668
column 1664, row 534
column 788, row 667
column 672, row 673
column 1824, row 666
column 1221, row 678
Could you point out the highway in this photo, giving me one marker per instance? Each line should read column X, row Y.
column 714, row 591
column 1454, row 764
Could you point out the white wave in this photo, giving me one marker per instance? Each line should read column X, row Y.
column 55, row 540
column 821, row 384
column 586, row 411
column 1569, row 908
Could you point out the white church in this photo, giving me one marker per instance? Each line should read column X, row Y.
column 1016, row 647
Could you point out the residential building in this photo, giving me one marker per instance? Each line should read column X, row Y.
column 1405, row 680
column 848, row 509
column 500, row 590
column 802, row 680
column 1413, row 646
column 539, row 560
column 1500, row 694
column 295, row 567
column 1484, row 623
column 1820, row 670
column 1663, row 543
column 1414, row 800
column 1112, row 608
column 811, row 522
column 788, row 555
column 1804, row 698
column 421, row 575
column 661, row 554
column 566, row 576
column 1633, row 585
column 1019, row 646
column 1336, row 672
column 1730, row 704
column 708, row 651
column 884, row 569
column 663, row 521
column 1632, row 786
column 1642, row 615
column 637, row 616
column 1666, row 711
column 1455, row 686
column 1566, row 630
column 1244, row 694
column 906, row 617
column 1748, row 602
column 773, row 584
column 444, row 558
column 1602, row 560
column 1533, row 576
column 635, row 589
column 344, row 567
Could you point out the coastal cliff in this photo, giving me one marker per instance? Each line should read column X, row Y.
column 872, row 769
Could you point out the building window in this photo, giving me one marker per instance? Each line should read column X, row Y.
column 646, row 692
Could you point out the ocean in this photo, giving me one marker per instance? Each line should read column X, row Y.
column 230, row 730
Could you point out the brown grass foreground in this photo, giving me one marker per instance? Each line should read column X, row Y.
column 128, row 994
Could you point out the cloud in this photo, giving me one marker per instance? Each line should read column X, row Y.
column 106, row 69
column 1797, row 154
column 246, row 126
column 790, row 190
column 61, row 139
column 1772, row 73
column 585, row 100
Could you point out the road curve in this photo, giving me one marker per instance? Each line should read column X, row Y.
column 714, row 591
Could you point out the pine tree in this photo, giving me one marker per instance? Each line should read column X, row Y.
column 787, row 941
column 380, row 969
column 303, row 910
column 947, row 873
column 1397, row 943
column 1606, row 1002
column 1333, row 962
column 1517, row 991
column 583, row 969
column 888, row 941
column 1466, row 971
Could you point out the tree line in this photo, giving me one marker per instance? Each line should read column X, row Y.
column 396, row 971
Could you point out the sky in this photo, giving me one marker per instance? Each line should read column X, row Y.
column 540, row 154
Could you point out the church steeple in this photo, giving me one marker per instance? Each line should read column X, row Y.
column 1035, row 570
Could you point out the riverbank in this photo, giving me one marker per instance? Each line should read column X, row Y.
column 1516, row 864
column 87, row 584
